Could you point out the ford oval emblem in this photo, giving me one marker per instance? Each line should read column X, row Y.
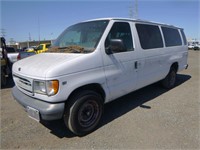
column 19, row 69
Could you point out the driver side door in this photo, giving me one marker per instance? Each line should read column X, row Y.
column 120, row 66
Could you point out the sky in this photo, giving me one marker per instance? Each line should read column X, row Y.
column 47, row 19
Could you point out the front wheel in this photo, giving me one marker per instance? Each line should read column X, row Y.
column 169, row 81
column 83, row 112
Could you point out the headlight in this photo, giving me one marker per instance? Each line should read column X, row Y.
column 39, row 87
column 46, row 87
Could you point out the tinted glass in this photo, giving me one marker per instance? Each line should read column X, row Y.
column 10, row 50
column 172, row 37
column 150, row 36
column 121, row 30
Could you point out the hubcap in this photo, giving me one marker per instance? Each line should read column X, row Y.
column 88, row 113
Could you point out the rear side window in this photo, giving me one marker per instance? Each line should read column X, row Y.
column 150, row 36
column 172, row 37
column 184, row 38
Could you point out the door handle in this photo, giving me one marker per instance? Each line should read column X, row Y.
column 136, row 64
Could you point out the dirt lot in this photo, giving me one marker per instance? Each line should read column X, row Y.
column 151, row 118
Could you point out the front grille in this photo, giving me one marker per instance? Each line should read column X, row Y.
column 23, row 83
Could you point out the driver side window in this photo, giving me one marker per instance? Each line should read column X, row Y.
column 122, row 31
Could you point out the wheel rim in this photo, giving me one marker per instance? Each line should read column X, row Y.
column 88, row 113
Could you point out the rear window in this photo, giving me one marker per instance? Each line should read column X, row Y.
column 150, row 36
column 172, row 37
column 10, row 50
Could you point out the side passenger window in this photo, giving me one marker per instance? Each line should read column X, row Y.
column 172, row 37
column 150, row 36
column 122, row 31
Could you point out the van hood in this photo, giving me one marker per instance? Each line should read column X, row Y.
column 38, row 65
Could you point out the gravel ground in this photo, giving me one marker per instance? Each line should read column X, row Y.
column 150, row 118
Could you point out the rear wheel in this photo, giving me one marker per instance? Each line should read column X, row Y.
column 83, row 112
column 169, row 81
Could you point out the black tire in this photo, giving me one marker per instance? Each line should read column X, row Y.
column 83, row 112
column 169, row 81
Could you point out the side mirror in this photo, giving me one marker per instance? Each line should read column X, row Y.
column 115, row 46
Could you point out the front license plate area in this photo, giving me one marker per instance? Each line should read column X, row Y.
column 33, row 113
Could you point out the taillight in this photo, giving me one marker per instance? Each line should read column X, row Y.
column 18, row 57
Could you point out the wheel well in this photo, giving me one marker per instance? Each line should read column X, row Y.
column 175, row 66
column 93, row 87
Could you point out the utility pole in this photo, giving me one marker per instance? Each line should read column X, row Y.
column 29, row 36
column 136, row 9
column 3, row 32
column 133, row 9
column 39, row 29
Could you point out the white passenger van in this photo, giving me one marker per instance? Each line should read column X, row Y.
column 94, row 62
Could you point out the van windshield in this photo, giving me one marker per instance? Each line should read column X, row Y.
column 80, row 38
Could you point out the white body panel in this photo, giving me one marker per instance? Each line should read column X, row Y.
column 117, row 73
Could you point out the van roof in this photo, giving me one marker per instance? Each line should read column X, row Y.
column 134, row 20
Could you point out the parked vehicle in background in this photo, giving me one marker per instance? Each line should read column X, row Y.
column 42, row 48
column 33, row 50
column 196, row 47
column 191, row 46
column 23, row 55
column 29, row 49
column 194, row 44
column 23, row 49
column 12, row 54
column 5, row 71
column 94, row 62
column 39, row 49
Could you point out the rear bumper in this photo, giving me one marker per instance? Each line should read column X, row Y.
column 48, row 111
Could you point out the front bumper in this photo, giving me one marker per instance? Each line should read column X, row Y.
column 48, row 111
